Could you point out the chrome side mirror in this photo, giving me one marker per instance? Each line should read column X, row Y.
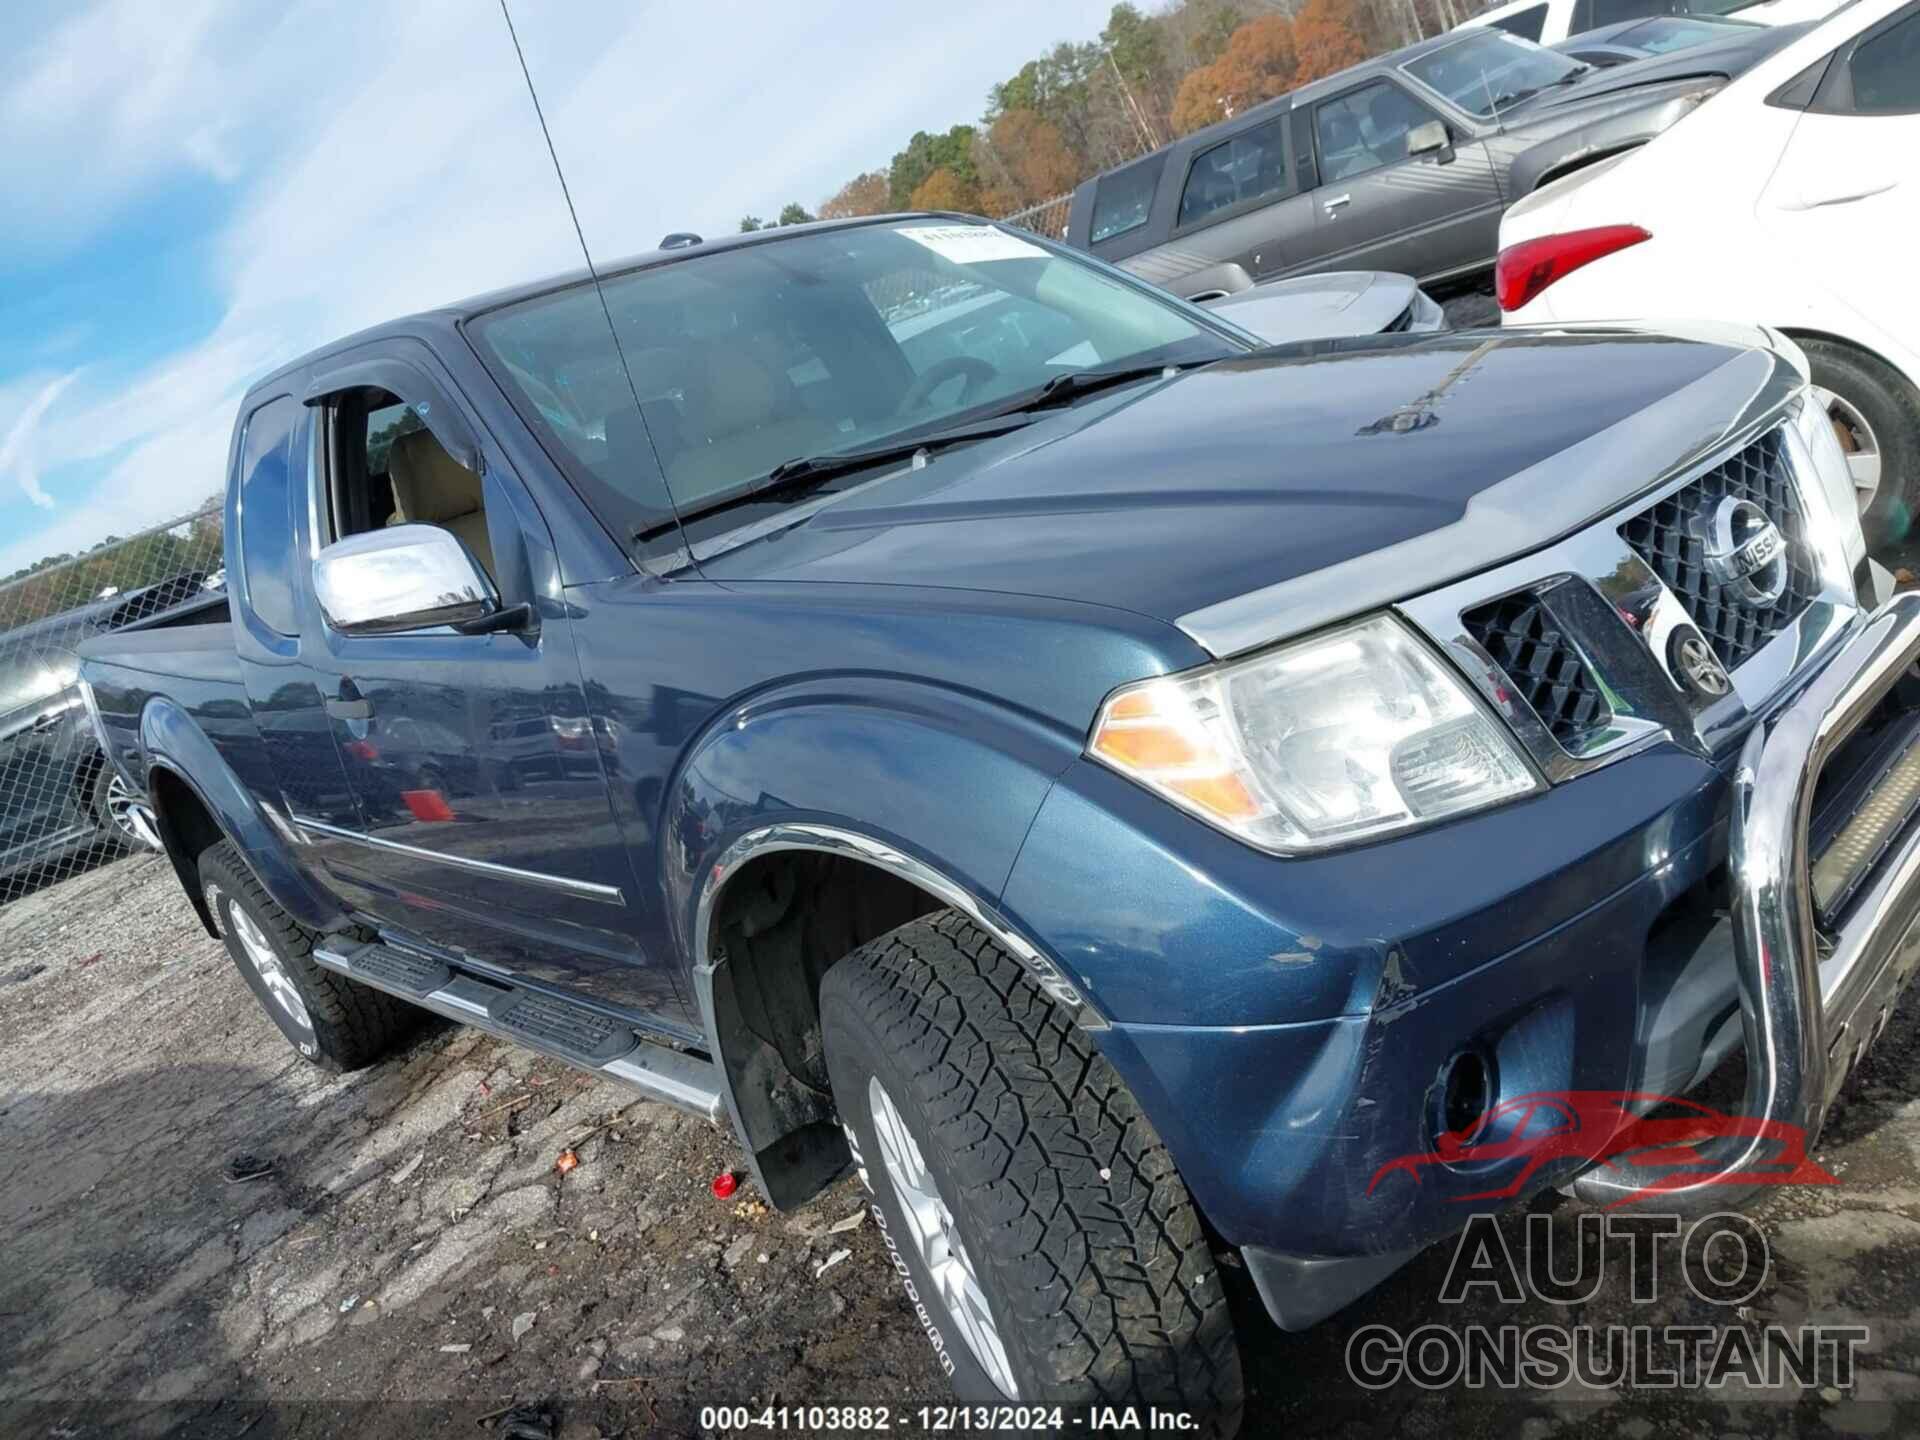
column 405, row 577
column 1430, row 139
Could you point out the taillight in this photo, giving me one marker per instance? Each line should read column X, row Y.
column 1524, row 270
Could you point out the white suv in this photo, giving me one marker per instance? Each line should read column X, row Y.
column 1791, row 201
column 1548, row 22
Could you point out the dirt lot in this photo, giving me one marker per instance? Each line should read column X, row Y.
column 413, row 1262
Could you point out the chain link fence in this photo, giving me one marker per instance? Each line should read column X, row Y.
column 61, row 806
column 1048, row 218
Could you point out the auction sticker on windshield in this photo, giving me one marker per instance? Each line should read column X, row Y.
column 971, row 244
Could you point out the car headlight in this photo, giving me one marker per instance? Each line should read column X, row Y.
column 1357, row 732
column 1816, row 432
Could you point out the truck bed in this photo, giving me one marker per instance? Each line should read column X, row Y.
column 188, row 657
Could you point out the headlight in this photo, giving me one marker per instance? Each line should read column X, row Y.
column 1836, row 480
column 1355, row 733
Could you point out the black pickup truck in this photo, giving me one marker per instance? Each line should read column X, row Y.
column 948, row 709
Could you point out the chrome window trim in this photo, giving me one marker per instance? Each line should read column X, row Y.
column 830, row 840
column 1642, row 612
column 585, row 889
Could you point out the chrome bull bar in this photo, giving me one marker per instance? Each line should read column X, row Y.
column 1807, row 1017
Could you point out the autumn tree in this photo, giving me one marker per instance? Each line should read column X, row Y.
column 1326, row 39
column 863, row 195
column 1258, row 63
column 1023, row 161
column 943, row 190
column 925, row 153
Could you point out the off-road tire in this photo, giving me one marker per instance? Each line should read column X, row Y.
column 1088, row 1247
column 1891, row 406
column 352, row 1025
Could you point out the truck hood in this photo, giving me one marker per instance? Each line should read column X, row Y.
column 1171, row 496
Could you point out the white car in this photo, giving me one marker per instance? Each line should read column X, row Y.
column 1791, row 201
column 1548, row 22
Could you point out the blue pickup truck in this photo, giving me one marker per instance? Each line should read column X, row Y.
column 924, row 698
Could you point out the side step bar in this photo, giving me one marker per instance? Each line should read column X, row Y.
column 560, row 1028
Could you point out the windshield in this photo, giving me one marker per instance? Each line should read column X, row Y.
column 1667, row 33
column 1487, row 71
column 811, row 344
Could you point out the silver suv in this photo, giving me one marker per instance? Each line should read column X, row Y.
column 1402, row 163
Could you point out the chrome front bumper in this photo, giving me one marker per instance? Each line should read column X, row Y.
column 1808, row 1015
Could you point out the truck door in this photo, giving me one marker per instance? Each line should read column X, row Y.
column 1238, row 207
column 1378, row 208
column 266, row 553
column 486, row 825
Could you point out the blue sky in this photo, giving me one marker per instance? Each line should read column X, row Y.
column 198, row 189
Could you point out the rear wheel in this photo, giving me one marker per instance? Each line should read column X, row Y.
column 1876, row 418
column 1048, row 1246
column 335, row 1022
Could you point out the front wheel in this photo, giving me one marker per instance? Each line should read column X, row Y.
column 1045, row 1240
column 337, row 1023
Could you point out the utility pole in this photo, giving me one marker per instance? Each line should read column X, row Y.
column 1149, row 137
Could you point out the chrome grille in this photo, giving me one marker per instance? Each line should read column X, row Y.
column 1521, row 637
column 1664, row 535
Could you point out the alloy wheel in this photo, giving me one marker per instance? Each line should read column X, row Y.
column 131, row 815
column 1857, row 442
column 934, row 1236
column 260, row 954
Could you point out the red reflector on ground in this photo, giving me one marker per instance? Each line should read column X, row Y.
column 428, row 805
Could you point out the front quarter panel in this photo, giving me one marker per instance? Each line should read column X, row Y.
column 946, row 778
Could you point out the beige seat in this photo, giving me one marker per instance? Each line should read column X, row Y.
column 430, row 487
column 742, row 421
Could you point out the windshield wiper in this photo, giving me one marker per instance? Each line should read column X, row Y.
column 1075, row 383
column 793, row 478
column 1507, row 99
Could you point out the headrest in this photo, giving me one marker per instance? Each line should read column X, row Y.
column 429, row 485
column 628, row 442
column 656, row 371
column 737, row 392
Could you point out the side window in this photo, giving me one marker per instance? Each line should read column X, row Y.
column 1885, row 70
column 266, row 513
column 1612, row 12
column 1250, row 166
column 390, row 470
column 1123, row 200
column 1527, row 23
column 1365, row 129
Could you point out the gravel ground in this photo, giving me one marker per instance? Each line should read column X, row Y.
column 414, row 1261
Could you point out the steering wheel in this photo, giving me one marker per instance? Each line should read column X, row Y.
column 976, row 371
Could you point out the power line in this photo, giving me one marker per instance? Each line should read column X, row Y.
column 587, row 254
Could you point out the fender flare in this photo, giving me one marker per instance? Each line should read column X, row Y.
column 174, row 744
column 775, row 775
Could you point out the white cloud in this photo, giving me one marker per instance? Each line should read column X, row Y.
column 17, row 448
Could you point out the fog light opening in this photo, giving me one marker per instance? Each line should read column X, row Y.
column 1465, row 1092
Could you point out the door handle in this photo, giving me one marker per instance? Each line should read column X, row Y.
column 1843, row 194
column 48, row 722
column 1336, row 202
column 350, row 709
